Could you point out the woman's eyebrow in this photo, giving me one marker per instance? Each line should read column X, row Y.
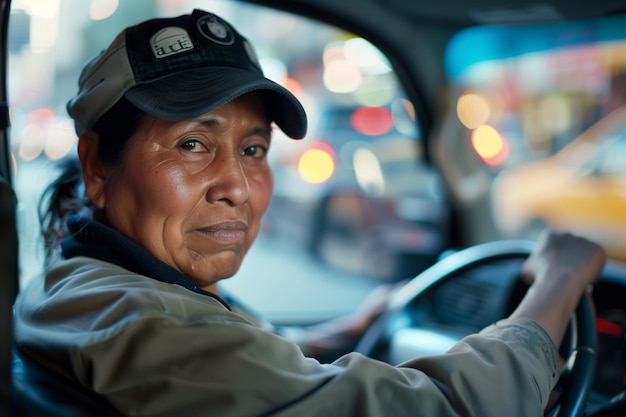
column 211, row 121
column 208, row 120
column 261, row 130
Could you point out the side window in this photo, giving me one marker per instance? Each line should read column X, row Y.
column 354, row 203
column 540, row 110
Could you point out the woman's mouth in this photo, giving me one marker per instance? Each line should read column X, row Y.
column 226, row 232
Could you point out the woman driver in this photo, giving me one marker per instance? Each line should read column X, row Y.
column 175, row 121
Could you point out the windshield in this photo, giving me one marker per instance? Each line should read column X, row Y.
column 354, row 184
column 541, row 110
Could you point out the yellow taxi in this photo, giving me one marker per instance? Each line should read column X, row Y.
column 581, row 188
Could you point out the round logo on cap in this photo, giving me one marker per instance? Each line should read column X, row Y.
column 215, row 29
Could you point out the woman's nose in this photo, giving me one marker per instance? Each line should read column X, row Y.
column 231, row 184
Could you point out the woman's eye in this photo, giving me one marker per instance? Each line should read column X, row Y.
column 256, row 151
column 193, row 145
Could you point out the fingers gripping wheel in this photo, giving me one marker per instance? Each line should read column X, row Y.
column 579, row 370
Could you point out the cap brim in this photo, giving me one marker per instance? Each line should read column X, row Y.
column 195, row 92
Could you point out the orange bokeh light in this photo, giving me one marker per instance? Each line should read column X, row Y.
column 492, row 148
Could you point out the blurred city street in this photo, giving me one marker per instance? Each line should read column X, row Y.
column 285, row 284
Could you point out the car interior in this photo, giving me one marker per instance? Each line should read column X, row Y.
column 444, row 136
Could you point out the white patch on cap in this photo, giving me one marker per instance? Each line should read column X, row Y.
column 216, row 30
column 170, row 41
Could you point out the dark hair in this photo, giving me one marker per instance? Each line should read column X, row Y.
column 65, row 195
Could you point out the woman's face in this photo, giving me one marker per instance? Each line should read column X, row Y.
column 194, row 192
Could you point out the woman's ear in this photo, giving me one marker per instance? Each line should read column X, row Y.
column 94, row 173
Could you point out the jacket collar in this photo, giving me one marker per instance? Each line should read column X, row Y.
column 93, row 239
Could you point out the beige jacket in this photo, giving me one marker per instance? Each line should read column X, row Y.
column 158, row 349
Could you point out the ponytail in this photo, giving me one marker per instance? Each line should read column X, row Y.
column 63, row 197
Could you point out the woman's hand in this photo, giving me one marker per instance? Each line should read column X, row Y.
column 561, row 268
column 564, row 256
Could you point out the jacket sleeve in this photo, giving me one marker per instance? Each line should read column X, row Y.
column 508, row 369
column 154, row 368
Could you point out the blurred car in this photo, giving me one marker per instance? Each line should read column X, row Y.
column 359, row 201
column 471, row 92
column 582, row 188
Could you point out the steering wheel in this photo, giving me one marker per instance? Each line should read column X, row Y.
column 578, row 372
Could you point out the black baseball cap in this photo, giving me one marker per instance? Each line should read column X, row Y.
column 179, row 68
